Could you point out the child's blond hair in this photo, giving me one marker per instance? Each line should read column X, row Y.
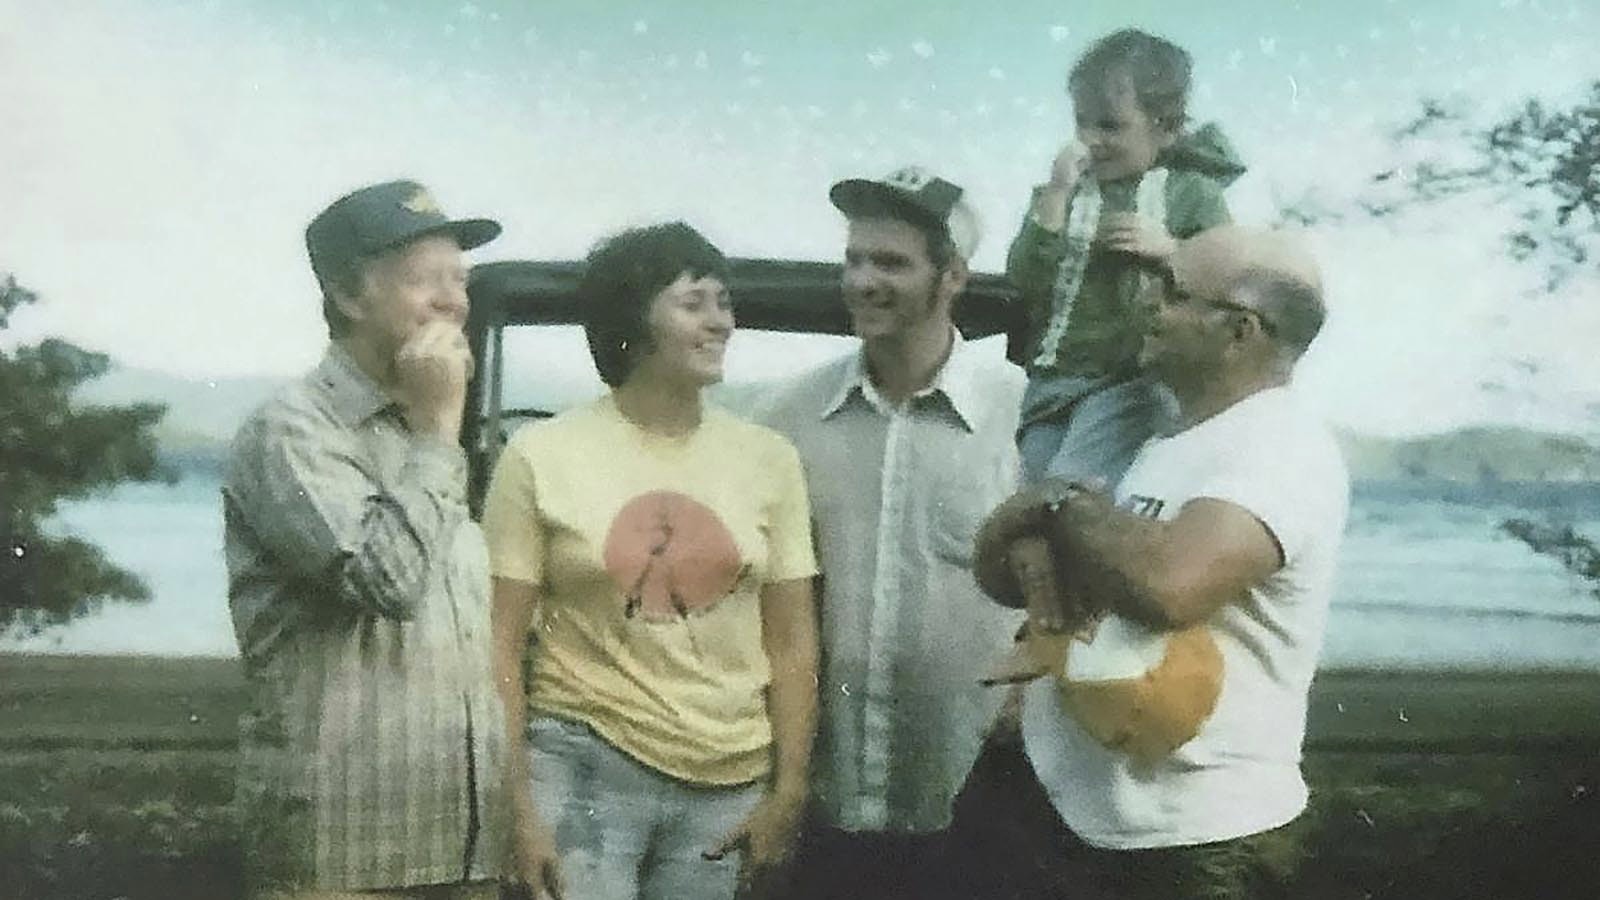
column 1157, row 69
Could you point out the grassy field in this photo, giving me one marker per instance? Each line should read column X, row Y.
column 116, row 776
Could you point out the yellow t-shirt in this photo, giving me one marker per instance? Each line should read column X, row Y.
column 649, row 554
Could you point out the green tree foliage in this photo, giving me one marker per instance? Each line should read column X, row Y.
column 1540, row 161
column 1576, row 553
column 1545, row 162
column 52, row 449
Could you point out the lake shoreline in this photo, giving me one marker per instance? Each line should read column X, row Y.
column 1422, row 585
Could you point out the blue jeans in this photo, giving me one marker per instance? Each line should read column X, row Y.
column 1087, row 429
column 624, row 830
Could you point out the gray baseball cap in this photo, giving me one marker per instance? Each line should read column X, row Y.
column 917, row 193
column 381, row 216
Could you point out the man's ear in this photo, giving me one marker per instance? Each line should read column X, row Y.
column 954, row 279
column 1246, row 327
column 350, row 307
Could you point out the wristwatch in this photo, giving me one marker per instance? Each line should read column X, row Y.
column 1058, row 495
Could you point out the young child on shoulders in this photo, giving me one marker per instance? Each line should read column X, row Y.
column 1118, row 196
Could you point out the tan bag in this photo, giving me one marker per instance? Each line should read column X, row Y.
column 1148, row 715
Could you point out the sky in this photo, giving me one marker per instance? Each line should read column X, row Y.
column 159, row 160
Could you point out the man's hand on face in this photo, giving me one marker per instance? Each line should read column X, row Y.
column 431, row 373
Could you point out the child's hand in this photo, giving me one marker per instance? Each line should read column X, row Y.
column 1049, row 207
column 1128, row 232
column 1068, row 166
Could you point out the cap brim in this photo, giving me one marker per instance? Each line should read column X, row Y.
column 855, row 195
column 470, row 233
column 865, row 197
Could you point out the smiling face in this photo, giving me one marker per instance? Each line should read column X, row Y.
column 1186, row 332
column 1258, row 292
column 1123, row 139
column 689, row 322
column 891, row 286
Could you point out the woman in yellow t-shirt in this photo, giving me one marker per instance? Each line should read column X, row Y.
column 655, row 632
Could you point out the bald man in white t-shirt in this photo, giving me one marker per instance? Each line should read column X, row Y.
column 1161, row 757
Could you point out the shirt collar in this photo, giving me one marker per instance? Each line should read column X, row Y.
column 354, row 395
column 955, row 381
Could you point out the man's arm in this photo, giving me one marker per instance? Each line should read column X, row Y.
column 1165, row 574
column 304, row 490
column 303, row 485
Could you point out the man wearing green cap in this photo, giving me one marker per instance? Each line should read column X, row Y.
column 371, row 748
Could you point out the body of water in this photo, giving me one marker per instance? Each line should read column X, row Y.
column 1424, row 583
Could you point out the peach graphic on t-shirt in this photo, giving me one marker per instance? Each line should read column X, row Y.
column 670, row 555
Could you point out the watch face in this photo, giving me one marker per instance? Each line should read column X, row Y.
column 1063, row 494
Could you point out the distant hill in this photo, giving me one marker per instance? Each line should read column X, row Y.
column 200, row 411
column 1479, row 455
column 204, row 413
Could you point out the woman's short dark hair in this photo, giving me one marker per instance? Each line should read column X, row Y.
column 626, row 271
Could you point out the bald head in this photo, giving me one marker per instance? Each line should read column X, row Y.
column 1269, row 272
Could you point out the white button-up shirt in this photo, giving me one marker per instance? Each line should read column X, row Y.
column 897, row 494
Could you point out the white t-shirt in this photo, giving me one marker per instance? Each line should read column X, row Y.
column 1241, row 773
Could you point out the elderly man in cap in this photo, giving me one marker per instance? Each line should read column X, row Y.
column 371, row 747
column 908, row 441
column 1162, row 759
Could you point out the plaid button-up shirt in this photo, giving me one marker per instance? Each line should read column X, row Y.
column 371, row 752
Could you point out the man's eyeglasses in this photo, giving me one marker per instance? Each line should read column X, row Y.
column 1266, row 323
column 1172, row 294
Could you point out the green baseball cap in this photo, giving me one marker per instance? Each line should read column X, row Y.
column 380, row 217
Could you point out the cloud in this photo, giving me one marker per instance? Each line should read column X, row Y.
column 164, row 169
column 1430, row 316
column 160, row 162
